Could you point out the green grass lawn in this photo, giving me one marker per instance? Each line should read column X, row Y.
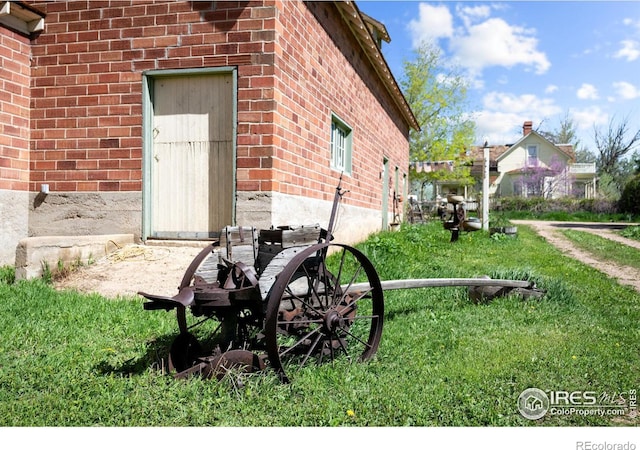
column 76, row 360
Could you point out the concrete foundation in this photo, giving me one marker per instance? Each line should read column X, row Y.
column 90, row 213
column 14, row 223
column 71, row 226
column 34, row 253
column 263, row 210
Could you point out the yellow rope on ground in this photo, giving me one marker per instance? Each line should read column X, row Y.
column 137, row 252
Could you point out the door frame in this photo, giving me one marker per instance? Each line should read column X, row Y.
column 148, row 80
column 385, row 193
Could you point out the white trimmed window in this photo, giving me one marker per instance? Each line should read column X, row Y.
column 341, row 145
column 532, row 156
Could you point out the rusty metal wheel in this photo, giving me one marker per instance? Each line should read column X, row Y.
column 187, row 278
column 313, row 315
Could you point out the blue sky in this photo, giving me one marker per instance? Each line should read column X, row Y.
column 528, row 60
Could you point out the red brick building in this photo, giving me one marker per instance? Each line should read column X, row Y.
column 172, row 119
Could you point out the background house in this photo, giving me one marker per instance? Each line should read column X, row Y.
column 172, row 119
column 534, row 166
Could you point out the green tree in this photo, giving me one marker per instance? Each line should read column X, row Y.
column 437, row 95
column 566, row 134
column 584, row 155
column 635, row 159
column 630, row 198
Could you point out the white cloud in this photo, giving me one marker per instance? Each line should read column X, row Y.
column 626, row 91
column 433, row 22
column 498, row 127
column 500, row 121
column 550, row 89
column 481, row 41
column 480, row 12
column 525, row 104
column 631, row 22
column 630, row 50
column 587, row 92
column 587, row 118
column 496, row 43
column 470, row 14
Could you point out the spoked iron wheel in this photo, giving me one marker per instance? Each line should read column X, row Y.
column 312, row 314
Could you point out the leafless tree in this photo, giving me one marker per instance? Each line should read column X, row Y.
column 613, row 144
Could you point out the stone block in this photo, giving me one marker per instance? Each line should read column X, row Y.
column 34, row 252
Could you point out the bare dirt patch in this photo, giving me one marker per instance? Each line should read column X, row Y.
column 150, row 268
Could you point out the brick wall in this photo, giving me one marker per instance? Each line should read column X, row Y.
column 87, row 79
column 87, row 92
column 296, row 61
column 321, row 70
column 14, row 110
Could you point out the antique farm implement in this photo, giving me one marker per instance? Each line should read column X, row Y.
column 275, row 297
column 281, row 297
column 458, row 220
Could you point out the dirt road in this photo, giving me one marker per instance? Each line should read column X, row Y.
column 159, row 269
column 551, row 231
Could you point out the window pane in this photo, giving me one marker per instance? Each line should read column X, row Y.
column 532, row 155
column 340, row 146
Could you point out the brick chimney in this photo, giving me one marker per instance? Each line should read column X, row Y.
column 526, row 128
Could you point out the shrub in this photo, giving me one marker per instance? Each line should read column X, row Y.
column 631, row 232
column 536, row 206
column 630, row 198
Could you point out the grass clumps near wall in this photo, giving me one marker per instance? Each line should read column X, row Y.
column 7, row 274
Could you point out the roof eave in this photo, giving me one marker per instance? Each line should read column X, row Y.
column 21, row 17
column 354, row 20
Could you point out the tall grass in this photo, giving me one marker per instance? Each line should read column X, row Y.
column 68, row 359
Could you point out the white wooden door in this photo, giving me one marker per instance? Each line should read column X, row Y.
column 192, row 163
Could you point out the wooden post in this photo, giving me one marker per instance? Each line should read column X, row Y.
column 485, row 189
column 442, row 282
